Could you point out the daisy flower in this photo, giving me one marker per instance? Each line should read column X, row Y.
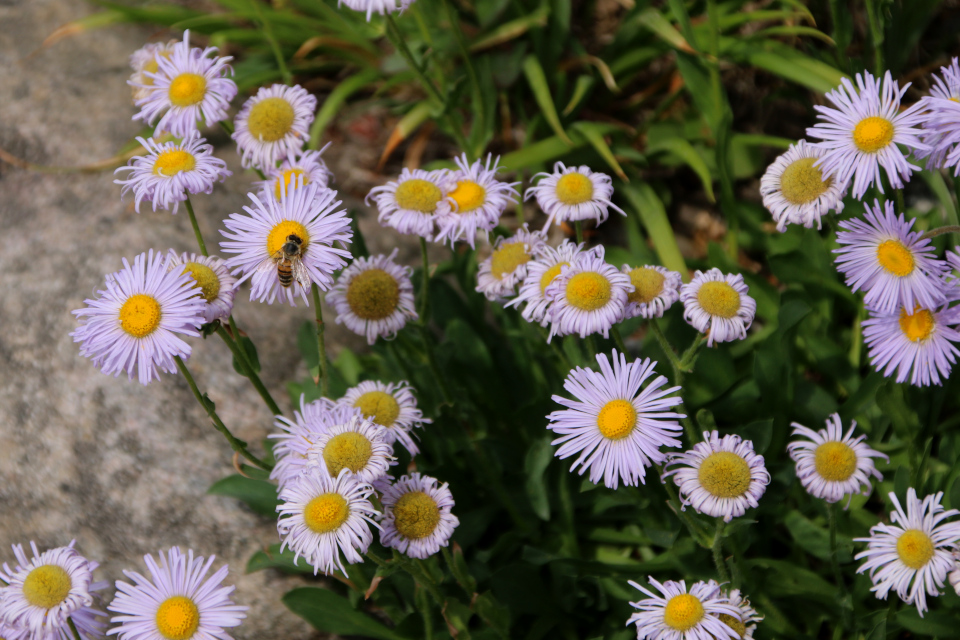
column 862, row 133
column 374, row 297
column 211, row 277
column 171, row 171
column 720, row 477
column 391, row 406
column 507, row 265
column 357, row 445
column 541, row 271
column 308, row 213
column 383, row 7
column 893, row 265
column 941, row 128
column 718, row 305
column 916, row 345
column 323, row 516
column 273, row 125
column 570, row 194
column 913, row 554
column 655, row 289
column 298, row 436
column 176, row 602
column 144, row 60
column 679, row 614
column 831, row 464
column 410, row 204
column 746, row 624
column 416, row 516
column 473, row 202
column 307, row 166
column 131, row 325
column 796, row 191
column 188, row 86
column 589, row 296
column 616, row 428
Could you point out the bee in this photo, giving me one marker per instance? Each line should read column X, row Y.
column 288, row 261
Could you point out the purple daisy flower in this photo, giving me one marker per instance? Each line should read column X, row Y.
column 306, row 165
column 211, row 277
column 499, row 274
column 718, row 305
column 392, row 406
column 410, row 204
column 541, row 271
column 416, row 516
column 273, row 125
column 588, row 296
column 679, row 614
column 917, row 345
column 297, row 436
column 941, row 129
column 570, row 194
column 796, row 191
column 474, row 201
column 655, row 289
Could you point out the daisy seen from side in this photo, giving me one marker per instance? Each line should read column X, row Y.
column 572, row 194
column 797, row 191
column 588, row 296
column 917, row 346
column 678, row 613
column 307, row 167
column 212, row 278
column 473, row 201
column 416, row 516
column 273, row 125
column 655, row 289
column 717, row 304
column 499, row 274
column 941, row 127
column 390, row 405
column 541, row 271
column 144, row 60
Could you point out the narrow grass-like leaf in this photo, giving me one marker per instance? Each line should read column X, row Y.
column 785, row 62
column 87, row 23
column 511, row 30
column 409, row 123
column 327, row 611
column 685, row 152
column 335, row 100
column 653, row 215
column 795, row 31
column 655, row 22
column 593, row 135
column 259, row 495
column 541, row 92
column 583, row 85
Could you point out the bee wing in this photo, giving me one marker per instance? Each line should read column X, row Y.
column 300, row 273
column 271, row 262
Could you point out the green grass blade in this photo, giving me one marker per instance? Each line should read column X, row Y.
column 541, row 92
column 335, row 100
column 591, row 132
column 685, row 152
column 584, row 83
column 511, row 30
column 661, row 27
column 653, row 216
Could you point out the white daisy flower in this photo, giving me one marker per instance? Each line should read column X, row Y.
column 416, row 516
column 941, row 128
column 374, row 297
column 171, row 171
column 796, row 191
column 410, row 204
column 616, row 429
column 718, row 305
column 720, row 477
column 211, row 277
column 507, row 265
column 188, row 86
column 144, row 60
column 570, row 194
column 541, row 271
column 357, row 445
column 298, row 436
column 746, row 624
column 861, row 135
column 913, row 554
column 311, row 215
column 322, row 516
column 679, row 614
column 474, row 201
column 273, row 125
column 383, row 7
column 655, row 289
column 306, row 166
column 175, row 602
column 589, row 296
column 391, row 406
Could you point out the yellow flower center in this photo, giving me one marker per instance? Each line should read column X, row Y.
column 418, row 195
column 278, row 236
column 802, row 182
column 379, row 406
column 507, row 258
column 895, row 258
column 416, row 515
column 734, row 623
column 917, row 326
column 140, row 315
column 178, row 618
column 373, row 294
column 647, row 284
column 205, row 278
column 835, row 461
column 724, row 474
column 270, row 119
column 468, row 195
column 150, row 66
column 47, row 586
column 187, row 89
column 617, row 419
column 326, row 513
column 719, row 299
column 170, row 163
column 288, row 177
column 574, row 188
column 550, row 274
column 915, row 548
column 683, row 612
column 588, row 291
column 872, row 134
column 350, row 450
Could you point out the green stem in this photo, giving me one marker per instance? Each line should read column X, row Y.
column 73, row 629
column 324, row 380
column 578, row 227
column 432, row 362
column 667, row 349
column 196, row 227
column 674, row 500
column 618, row 339
column 939, row 231
column 592, row 346
column 835, row 562
column 425, row 286
column 841, row 40
column 690, row 356
column 717, row 548
column 274, row 45
column 898, row 198
column 248, row 371
column 227, row 126
column 558, row 350
column 876, row 35
column 236, row 444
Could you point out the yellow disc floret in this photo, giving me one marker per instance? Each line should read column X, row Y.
column 574, row 188
column 683, row 612
column 802, row 182
column 914, row 548
column 418, row 195
column 647, row 284
column 206, row 280
column 379, row 406
column 588, row 291
column 326, row 513
column 917, row 326
column 734, row 623
column 550, row 275
column 617, row 419
column 468, row 195
column 835, row 461
column 507, row 258
column 373, row 294
column 719, row 299
column 178, row 618
column 140, row 315
column 187, row 89
column 47, row 586
column 724, row 474
column 288, row 177
column 170, row 163
column 350, row 450
column 278, row 236
column 872, row 134
column 416, row 515
column 270, row 119
column 895, row 258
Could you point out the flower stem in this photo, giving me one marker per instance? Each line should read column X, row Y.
column 618, row 339
column 578, row 228
column 835, row 562
column 274, row 45
column 722, row 572
column 667, row 349
column 248, row 370
column 432, row 362
column 324, row 381
column 236, row 444
column 939, row 231
column 689, row 358
column 674, row 500
column 196, row 227
column 73, row 629
column 898, row 198
column 425, row 287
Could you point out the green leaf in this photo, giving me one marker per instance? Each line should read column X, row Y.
column 933, row 623
column 594, row 136
column 250, row 351
column 787, row 63
column 580, row 89
column 259, row 495
column 652, row 214
column 814, row 539
column 661, row 27
column 538, row 458
column 541, row 93
column 335, row 101
column 327, row 611
column 511, row 30
column 685, row 152
column 272, row 558
column 493, row 613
